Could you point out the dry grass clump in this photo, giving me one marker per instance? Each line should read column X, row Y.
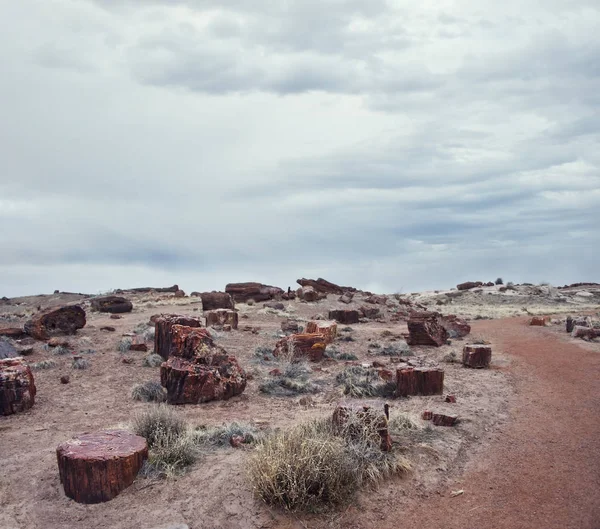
column 294, row 380
column 360, row 382
column 80, row 363
column 220, row 436
column 60, row 350
column 313, row 466
column 153, row 360
column 150, row 391
column 125, row 344
column 44, row 364
column 333, row 352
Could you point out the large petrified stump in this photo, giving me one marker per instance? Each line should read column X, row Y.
column 302, row 346
column 477, row 356
column 222, row 317
column 17, row 387
column 242, row 292
column 351, row 419
column 455, row 325
column 216, row 300
column 326, row 328
column 346, row 317
column 112, row 304
column 162, row 331
column 50, row 322
column 425, row 328
column 419, row 381
column 96, row 467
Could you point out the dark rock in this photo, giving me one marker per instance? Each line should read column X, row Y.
column 425, row 328
column 477, row 356
column 112, row 304
column 439, row 419
column 163, row 324
column 62, row 320
column 371, row 313
column 346, row 297
column 108, row 328
column 65, row 379
column 115, row 317
column 308, row 294
column 570, row 324
column 179, row 294
column 7, row 350
column 451, row 399
column 276, row 305
column 455, row 326
column 217, row 300
column 427, row 415
column 346, row 317
column 289, row 326
column 311, row 346
column 324, row 286
column 172, row 289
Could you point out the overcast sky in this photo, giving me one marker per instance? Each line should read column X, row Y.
column 387, row 145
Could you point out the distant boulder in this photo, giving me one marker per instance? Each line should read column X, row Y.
column 468, row 285
column 112, row 304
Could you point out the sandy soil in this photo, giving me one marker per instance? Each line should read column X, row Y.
column 526, row 449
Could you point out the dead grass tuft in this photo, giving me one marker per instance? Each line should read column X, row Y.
column 150, row 391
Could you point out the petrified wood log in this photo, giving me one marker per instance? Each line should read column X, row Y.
column 242, row 292
column 454, row 324
column 477, row 356
column 216, row 300
column 96, row 467
column 346, row 297
column 326, row 328
column 322, row 285
column 173, row 289
column 309, row 294
column 350, row 419
column 439, row 419
column 346, row 317
column 419, row 381
column 301, row 346
column 539, row 321
column 17, row 387
column 162, row 331
column 50, row 322
column 585, row 332
column 222, row 317
column 112, row 304
column 13, row 332
column 289, row 326
column 425, row 328
column 468, row 285
column 570, row 324
column 371, row 313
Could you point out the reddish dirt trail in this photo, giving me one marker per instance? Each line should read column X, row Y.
column 542, row 470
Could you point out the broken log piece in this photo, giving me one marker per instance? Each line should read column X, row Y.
column 585, row 332
column 439, row 419
column 96, row 467
column 455, row 326
column 477, row 356
column 327, row 328
column 539, row 321
column 427, row 415
column 302, row 346
column 419, row 381
column 13, row 332
column 17, row 387
column 469, row 285
column 570, row 324
column 425, row 328
column 222, row 317
column 309, row 294
column 350, row 419
column 345, row 317
column 216, row 300
column 112, row 304
column 174, row 288
column 162, row 331
column 289, row 326
column 62, row 320
column 242, row 292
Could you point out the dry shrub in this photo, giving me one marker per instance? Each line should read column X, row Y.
column 125, row 345
column 360, row 382
column 150, row 391
column 153, row 360
column 294, row 380
column 312, row 466
column 219, row 436
column 80, row 363
column 44, row 364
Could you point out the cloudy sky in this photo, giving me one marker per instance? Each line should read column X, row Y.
column 390, row 145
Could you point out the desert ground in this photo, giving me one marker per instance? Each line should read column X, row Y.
column 524, row 454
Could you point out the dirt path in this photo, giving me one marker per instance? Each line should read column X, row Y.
column 542, row 470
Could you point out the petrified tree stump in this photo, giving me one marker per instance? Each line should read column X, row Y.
column 162, row 334
column 345, row 317
column 425, row 328
column 439, row 419
column 419, row 381
column 50, row 322
column 570, row 324
column 326, row 328
column 477, row 356
column 222, row 317
column 351, row 419
column 216, row 300
column 96, row 467
column 112, row 304
column 17, row 387
column 540, row 321
column 300, row 346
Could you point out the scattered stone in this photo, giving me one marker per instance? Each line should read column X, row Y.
column 308, row 294
column 138, row 345
column 96, row 467
column 451, row 399
column 62, row 320
column 311, row 346
column 350, row 418
column 370, row 313
column 275, row 372
column 326, row 328
column 13, row 332
column 127, row 360
column 346, row 297
column 425, row 328
column 17, row 386
column 276, row 305
column 585, row 332
column 236, row 441
column 455, row 325
column 540, row 321
column 439, row 419
column 115, row 317
column 419, row 381
column 468, row 285
column 477, row 356
column 222, row 317
column 346, row 317
column 112, row 304
column 242, row 292
column 376, row 300
column 162, row 333
column 65, row 379
column 108, row 328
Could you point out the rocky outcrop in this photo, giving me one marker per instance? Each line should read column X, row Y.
column 346, row 317
column 199, row 371
column 51, row 322
column 425, row 328
column 17, row 387
column 112, row 304
column 162, row 331
column 96, row 467
column 376, row 300
column 324, row 286
column 469, row 285
column 477, row 356
column 326, row 328
column 302, row 346
column 419, row 381
column 242, row 292
column 455, row 327
column 221, row 317
column 351, row 418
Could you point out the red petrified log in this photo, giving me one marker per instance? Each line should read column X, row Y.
column 425, row 328
column 427, row 415
column 477, row 355
column 468, row 285
column 457, row 325
column 61, row 320
column 17, row 387
column 13, row 332
column 350, row 419
column 585, row 332
column 112, row 304
column 162, row 334
column 540, row 321
column 327, row 328
column 216, row 300
column 419, row 381
column 439, row 419
column 96, row 467
column 322, row 285
column 304, row 345
column 346, row 317
column 222, row 317
column 242, row 292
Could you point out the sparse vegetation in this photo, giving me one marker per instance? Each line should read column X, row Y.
column 313, row 467
column 293, row 380
column 499, row 281
column 396, row 349
column 152, row 360
column 125, row 344
column 220, row 436
column 88, row 351
column 346, row 338
column 450, row 358
column 333, row 352
column 150, row 391
column 60, row 350
column 44, row 364
column 80, row 363
column 360, row 382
